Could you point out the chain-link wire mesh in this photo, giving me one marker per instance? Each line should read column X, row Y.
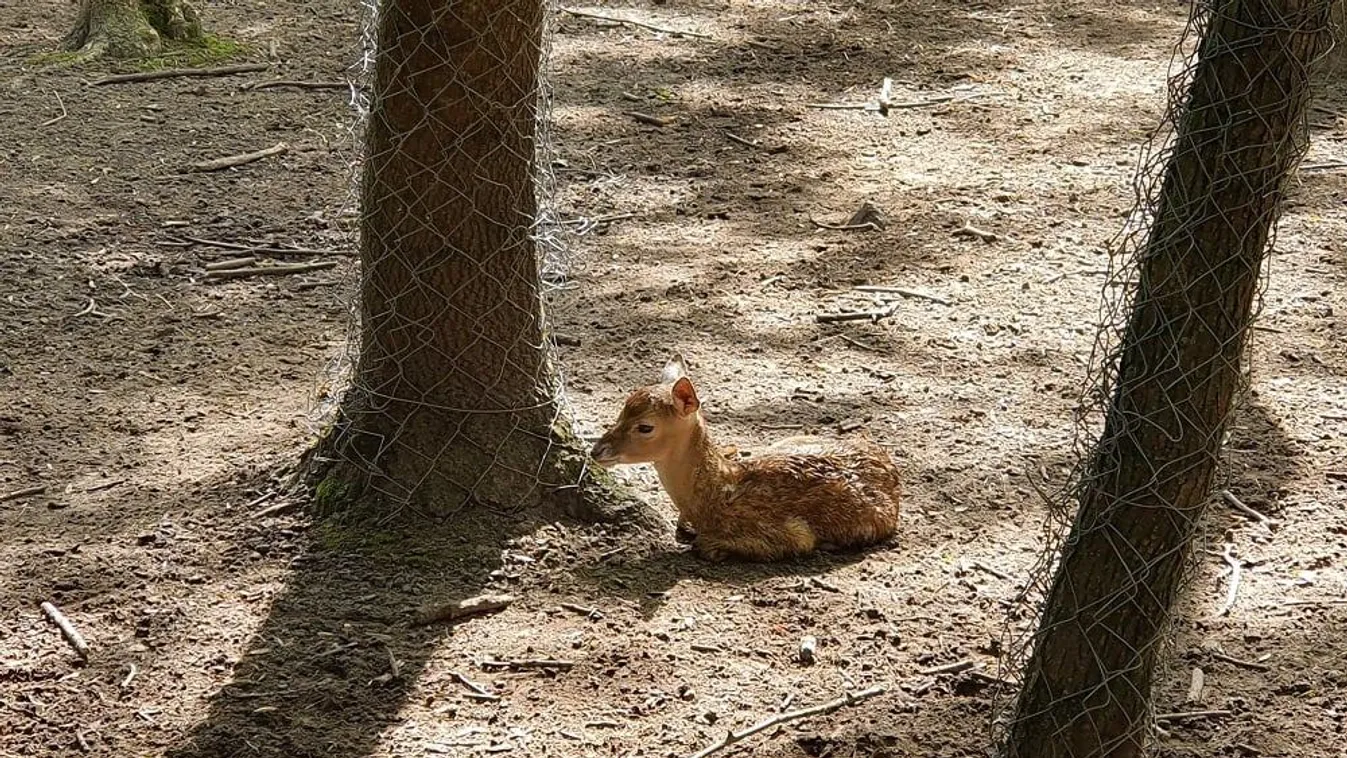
column 1186, row 274
column 449, row 391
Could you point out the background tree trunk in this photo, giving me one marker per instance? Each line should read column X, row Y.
column 454, row 398
column 131, row 28
column 1087, row 687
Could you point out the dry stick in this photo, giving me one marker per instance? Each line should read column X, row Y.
column 1184, row 715
column 231, row 263
column 905, row 292
column 56, row 119
column 979, row 565
column 464, row 608
column 170, row 73
column 850, row 698
column 272, row 510
column 1196, row 684
column 732, row 137
column 874, row 106
column 642, row 24
column 298, row 85
column 1323, row 166
column 231, row 161
column 262, row 249
column 25, row 492
column 530, row 664
column 832, row 318
column 1254, row 665
column 1064, row 274
column 950, row 668
column 1324, row 601
column 477, row 689
column 968, row 230
column 1237, row 504
column 587, row 612
column 1235, row 566
column 646, row 118
column 290, row 268
column 68, row 629
column 130, row 675
column 844, row 227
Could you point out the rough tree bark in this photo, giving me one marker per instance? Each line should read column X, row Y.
column 454, row 398
column 1087, row 687
column 131, row 28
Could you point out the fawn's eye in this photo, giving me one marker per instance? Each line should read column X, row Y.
column 645, row 428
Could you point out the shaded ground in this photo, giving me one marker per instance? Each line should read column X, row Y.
column 158, row 418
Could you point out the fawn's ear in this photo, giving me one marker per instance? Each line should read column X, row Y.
column 685, row 397
column 673, row 370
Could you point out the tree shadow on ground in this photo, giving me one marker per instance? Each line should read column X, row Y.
column 332, row 664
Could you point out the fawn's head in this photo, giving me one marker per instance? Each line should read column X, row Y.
column 655, row 420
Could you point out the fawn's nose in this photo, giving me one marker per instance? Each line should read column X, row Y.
column 601, row 451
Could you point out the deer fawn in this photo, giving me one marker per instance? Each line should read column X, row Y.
column 804, row 493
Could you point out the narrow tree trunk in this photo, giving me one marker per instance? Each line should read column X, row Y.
column 1087, row 687
column 454, row 398
column 131, row 28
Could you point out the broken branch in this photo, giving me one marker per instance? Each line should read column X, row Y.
column 968, row 230
column 530, row 664
column 171, row 73
column 232, row 161
column 630, row 22
column 298, row 85
column 950, row 668
column 850, row 698
column 25, row 492
column 472, row 606
column 1237, row 504
column 904, row 291
column 876, row 315
column 72, row 635
column 284, row 270
column 1235, row 566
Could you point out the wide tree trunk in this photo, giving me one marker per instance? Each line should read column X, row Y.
column 454, row 398
column 1087, row 687
column 131, row 28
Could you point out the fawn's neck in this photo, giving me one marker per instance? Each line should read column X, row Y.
column 696, row 474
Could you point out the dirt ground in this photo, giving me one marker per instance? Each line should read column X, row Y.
column 156, row 408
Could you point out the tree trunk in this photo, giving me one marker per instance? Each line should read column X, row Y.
column 454, row 398
column 1087, row 686
column 131, row 28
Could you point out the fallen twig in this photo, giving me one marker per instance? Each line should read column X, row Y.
column 646, row 118
column 904, row 291
column 875, row 315
column 231, row 263
column 260, row 249
column 844, row 227
column 642, row 24
column 1322, row 601
column 232, row 161
column 130, row 676
column 589, row 613
column 278, row 508
column 282, row 270
column 25, row 492
column 532, row 664
column 55, row 119
column 950, row 668
column 463, row 608
column 298, row 85
column 732, row 137
column 171, row 73
column 1233, row 587
column 980, row 566
column 72, row 635
column 1187, row 715
column 968, row 230
column 1080, row 271
column 477, row 689
column 1254, row 665
column 1237, row 504
column 850, row 698
column 1323, row 166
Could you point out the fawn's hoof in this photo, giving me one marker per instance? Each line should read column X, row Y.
column 684, row 534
